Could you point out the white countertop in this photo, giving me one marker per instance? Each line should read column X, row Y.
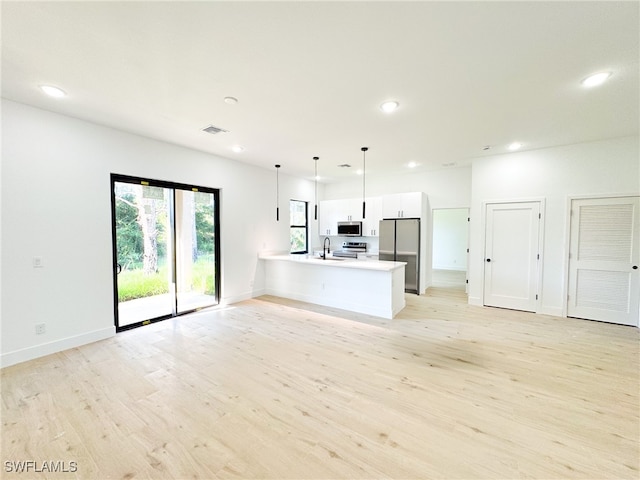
column 378, row 265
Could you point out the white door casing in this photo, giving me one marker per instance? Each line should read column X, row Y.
column 604, row 256
column 512, row 255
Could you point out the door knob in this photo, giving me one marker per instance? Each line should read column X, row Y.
column 488, row 259
column 118, row 268
column 635, row 267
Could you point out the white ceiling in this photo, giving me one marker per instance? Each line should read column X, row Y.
column 310, row 76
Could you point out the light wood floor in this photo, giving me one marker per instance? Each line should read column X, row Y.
column 272, row 388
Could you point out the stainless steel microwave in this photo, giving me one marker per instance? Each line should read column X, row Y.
column 350, row 229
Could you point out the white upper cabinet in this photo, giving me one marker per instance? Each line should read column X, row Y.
column 351, row 209
column 400, row 205
column 373, row 215
column 328, row 217
column 330, row 212
column 403, row 205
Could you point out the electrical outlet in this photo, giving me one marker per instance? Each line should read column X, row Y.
column 37, row 262
column 41, row 328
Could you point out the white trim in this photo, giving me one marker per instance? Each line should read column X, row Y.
column 603, row 195
column 30, row 353
column 477, row 301
column 242, row 297
column 553, row 311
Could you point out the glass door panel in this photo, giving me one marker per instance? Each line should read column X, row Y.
column 144, row 266
column 196, row 249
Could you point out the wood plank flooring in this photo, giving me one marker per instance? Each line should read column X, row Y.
column 273, row 388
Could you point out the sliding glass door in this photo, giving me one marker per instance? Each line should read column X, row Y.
column 195, row 256
column 165, row 238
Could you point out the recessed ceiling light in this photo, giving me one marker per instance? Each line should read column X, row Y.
column 359, row 171
column 412, row 164
column 389, row 106
column 596, row 79
column 237, row 148
column 514, row 146
column 53, row 91
column 230, row 100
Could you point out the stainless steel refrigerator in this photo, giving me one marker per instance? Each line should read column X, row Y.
column 400, row 242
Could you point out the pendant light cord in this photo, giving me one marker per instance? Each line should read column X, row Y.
column 315, row 214
column 277, row 193
column 364, row 169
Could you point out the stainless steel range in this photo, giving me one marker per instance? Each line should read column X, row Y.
column 351, row 249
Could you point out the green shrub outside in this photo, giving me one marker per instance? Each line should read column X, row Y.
column 133, row 284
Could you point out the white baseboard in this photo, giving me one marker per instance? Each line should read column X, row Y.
column 444, row 283
column 475, row 301
column 553, row 311
column 544, row 310
column 37, row 351
column 243, row 296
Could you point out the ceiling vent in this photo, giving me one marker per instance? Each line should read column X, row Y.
column 213, row 129
column 344, row 165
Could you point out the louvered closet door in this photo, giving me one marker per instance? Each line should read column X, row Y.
column 604, row 278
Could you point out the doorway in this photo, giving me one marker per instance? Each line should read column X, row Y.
column 604, row 260
column 450, row 247
column 512, row 254
column 165, row 249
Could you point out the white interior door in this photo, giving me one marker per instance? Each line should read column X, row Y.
column 604, row 281
column 512, row 255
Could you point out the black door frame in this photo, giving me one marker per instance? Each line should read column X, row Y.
column 174, row 186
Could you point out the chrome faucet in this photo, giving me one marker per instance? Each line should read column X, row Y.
column 326, row 247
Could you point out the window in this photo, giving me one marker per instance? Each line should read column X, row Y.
column 298, row 222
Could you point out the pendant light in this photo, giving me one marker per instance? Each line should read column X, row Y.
column 315, row 160
column 277, row 194
column 364, row 165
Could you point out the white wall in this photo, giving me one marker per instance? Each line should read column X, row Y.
column 445, row 188
column 554, row 174
column 56, row 205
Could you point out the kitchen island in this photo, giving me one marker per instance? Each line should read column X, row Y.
column 370, row 287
